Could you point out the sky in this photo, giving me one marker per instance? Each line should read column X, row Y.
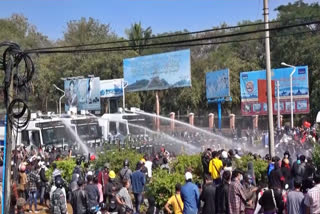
column 50, row 16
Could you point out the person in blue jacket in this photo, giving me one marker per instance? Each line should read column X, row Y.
column 190, row 196
column 138, row 181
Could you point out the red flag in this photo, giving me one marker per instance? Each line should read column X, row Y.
column 262, row 91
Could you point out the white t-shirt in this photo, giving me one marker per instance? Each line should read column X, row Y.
column 148, row 165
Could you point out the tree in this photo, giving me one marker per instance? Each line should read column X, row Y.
column 138, row 36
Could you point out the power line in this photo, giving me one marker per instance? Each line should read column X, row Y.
column 171, row 42
column 164, row 36
column 114, row 49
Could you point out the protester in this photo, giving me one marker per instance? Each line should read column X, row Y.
column 295, row 199
column 124, row 199
column 138, row 181
column 57, row 202
column 190, row 196
column 237, row 198
column 92, row 192
column 175, row 201
column 222, row 192
column 215, row 167
column 32, row 180
column 126, row 172
column 208, row 196
column 312, row 198
column 79, row 199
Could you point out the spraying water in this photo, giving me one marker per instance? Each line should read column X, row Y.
column 225, row 140
column 82, row 145
column 191, row 148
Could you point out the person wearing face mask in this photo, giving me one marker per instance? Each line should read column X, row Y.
column 237, row 197
column 250, row 191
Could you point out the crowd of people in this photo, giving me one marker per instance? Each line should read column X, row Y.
column 292, row 186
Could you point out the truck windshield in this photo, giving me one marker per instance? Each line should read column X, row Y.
column 56, row 135
column 89, row 131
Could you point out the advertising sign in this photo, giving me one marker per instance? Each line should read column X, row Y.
column 250, row 104
column 158, row 71
column 84, row 94
column 217, row 84
column 111, row 88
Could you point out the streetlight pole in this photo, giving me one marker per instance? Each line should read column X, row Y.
column 291, row 95
column 124, row 85
column 268, row 75
column 59, row 89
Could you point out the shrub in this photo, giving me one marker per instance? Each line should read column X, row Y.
column 316, row 155
column 191, row 162
column 115, row 158
column 162, row 185
column 66, row 167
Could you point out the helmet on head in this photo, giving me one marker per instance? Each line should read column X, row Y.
column 78, row 161
column 112, row 174
column 126, row 162
column 58, row 182
column 92, row 157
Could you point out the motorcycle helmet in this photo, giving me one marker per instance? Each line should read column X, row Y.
column 126, row 162
column 58, row 182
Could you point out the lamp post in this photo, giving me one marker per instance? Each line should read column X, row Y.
column 59, row 89
column 124, row 85
column 291, row 96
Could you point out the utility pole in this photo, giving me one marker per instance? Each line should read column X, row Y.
column 7, row 185
column 268, row 75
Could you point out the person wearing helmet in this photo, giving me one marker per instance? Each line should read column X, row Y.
column 111, row 186
column 125, row 172
column 58, row 203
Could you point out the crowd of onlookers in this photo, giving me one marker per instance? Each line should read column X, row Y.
column 292, row 185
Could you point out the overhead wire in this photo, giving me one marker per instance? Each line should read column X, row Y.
column 163, row 36
column 174, row 43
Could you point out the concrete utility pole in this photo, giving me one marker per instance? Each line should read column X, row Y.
column 7, row 185
column 268, row 74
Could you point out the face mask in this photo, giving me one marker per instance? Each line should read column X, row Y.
column 241, row 177
column 298, row 161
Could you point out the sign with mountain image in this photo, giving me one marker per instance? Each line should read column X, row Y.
column 250, row 104
column 158, row 71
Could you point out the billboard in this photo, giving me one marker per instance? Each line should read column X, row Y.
column 158, row 71
column 84, row 94
column 249, row 89
column 217, row 84
column 111, row 88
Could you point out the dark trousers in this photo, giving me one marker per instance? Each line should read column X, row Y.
column 138, row 201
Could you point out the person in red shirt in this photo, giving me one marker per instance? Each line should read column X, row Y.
column 103, row 178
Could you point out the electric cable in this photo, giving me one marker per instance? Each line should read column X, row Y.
column 169, row 35
column 18, row 118
column 174, row 46
column 176, row 42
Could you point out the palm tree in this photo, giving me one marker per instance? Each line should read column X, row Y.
column 138, row 36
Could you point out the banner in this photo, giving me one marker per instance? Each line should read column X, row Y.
column 84, row 94
column 217, row 84
column 250, row 91
column 111, row 88
column 158, row 71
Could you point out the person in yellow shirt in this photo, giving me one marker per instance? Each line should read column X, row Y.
column 215, row 167
column 175, row 201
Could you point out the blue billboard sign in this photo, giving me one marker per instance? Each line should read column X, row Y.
column 83, row 94
column 111, row 88
column 250, row 104
column 217, row 84
column 158, row 71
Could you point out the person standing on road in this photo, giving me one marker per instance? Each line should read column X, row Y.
column 58, row 203
column 312, row 198
column 175, row 201
column 190, row 196
column 208, row 196
column 215, row 167
column 295, row 199
column 138, row 181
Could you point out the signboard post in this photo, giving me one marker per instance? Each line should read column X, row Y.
column 218, row 89
column 252, row 100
